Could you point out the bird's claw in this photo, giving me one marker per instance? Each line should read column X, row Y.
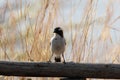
column 49, row 61
column 64, row 62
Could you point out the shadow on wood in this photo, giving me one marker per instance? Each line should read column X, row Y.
column 69, row 78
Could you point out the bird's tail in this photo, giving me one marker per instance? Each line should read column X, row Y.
column 57, row 59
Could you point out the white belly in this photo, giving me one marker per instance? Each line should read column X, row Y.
column 58, row 46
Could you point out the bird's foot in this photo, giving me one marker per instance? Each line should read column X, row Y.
column 49, row 61
column 64, row 62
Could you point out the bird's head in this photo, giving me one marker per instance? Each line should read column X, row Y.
column 58, row 31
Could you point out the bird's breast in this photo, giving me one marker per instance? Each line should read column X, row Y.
column 57, row 45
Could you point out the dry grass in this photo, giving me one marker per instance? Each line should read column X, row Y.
column 26, row 28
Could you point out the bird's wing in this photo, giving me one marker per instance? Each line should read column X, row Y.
column 65, row 41
column 51, row 40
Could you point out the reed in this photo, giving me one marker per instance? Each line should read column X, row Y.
column 26, row 29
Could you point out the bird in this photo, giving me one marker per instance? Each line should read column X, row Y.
column 57, row 45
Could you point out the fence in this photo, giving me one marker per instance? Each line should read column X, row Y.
column 69, row 70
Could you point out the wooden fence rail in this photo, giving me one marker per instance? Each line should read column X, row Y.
column 41, row 69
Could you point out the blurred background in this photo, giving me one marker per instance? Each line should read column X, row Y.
column 91, row 29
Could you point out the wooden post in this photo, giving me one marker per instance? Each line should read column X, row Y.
column 74, row 70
